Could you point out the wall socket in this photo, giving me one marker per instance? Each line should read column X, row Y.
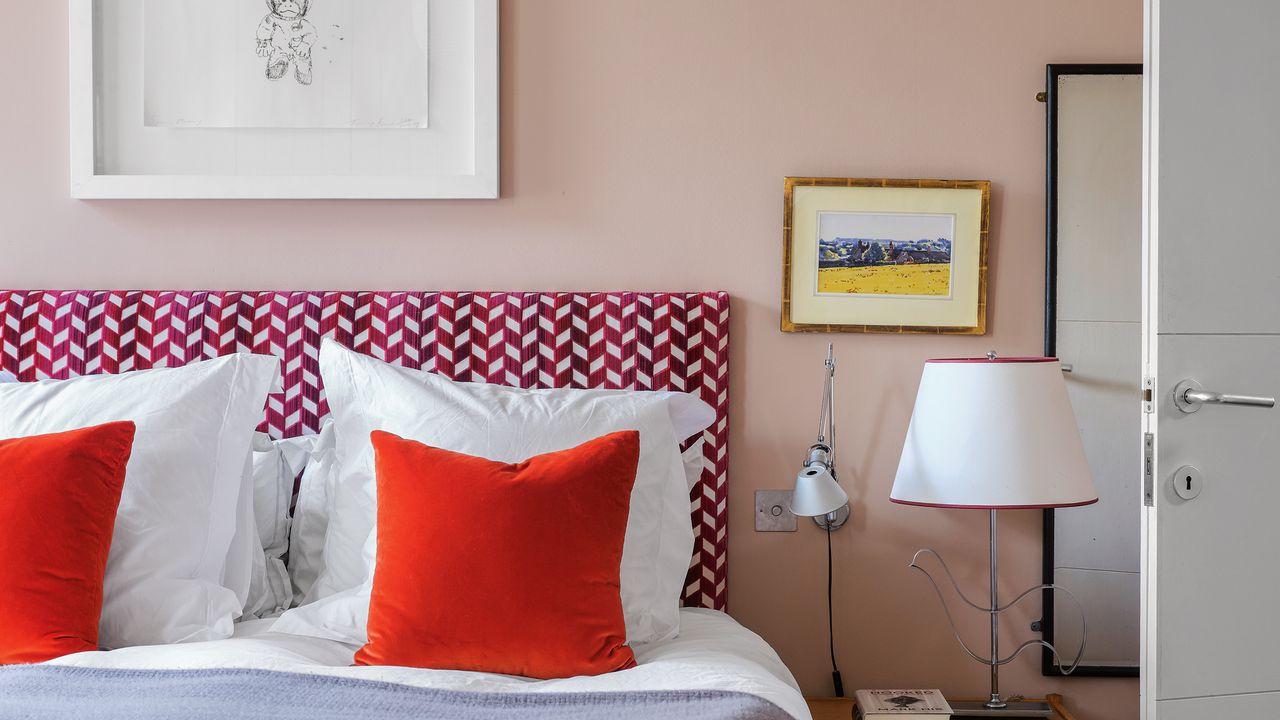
column 773, row 511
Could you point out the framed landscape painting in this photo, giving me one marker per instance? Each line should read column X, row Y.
column 882, row 255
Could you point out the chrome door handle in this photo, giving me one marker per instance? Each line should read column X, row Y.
column 1189, row 396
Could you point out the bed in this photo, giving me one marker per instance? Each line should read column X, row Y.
column 714, row 669
column 640, row 341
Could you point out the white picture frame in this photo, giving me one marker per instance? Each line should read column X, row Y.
column 472, row 170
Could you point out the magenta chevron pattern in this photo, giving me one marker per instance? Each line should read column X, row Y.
column 638, row 341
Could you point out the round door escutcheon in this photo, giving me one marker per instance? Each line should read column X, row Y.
column 1188, row 482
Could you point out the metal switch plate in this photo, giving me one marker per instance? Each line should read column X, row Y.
column 1188, row 482
column 773, row 511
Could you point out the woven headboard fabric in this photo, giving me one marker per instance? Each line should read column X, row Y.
column 616, row 340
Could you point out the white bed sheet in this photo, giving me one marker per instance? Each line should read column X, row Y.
column 712, row 652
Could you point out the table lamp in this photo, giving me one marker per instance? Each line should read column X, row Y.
column 993, row 434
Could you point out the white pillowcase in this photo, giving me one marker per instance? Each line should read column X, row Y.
column 242, row 563
column 268, row 485
column 177, row 513
column 311, row 516
column 694, row 464
column 507, row 425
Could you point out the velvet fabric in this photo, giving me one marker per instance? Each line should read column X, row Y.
column 58, row 499
column 504, row 568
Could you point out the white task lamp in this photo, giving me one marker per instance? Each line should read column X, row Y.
column 994, row 434
column 818, row 493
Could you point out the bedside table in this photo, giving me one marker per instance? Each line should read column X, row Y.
column 830, row 708
column 842, row 708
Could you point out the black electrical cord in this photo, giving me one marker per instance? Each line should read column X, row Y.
column 831, row 623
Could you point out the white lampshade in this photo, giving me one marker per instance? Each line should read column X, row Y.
column 817, row 493
column 993, row 434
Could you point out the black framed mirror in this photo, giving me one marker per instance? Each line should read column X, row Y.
column 1093, row 253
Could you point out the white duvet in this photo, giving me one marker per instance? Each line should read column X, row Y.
column 712, row 652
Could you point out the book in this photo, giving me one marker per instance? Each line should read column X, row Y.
column 917, row 704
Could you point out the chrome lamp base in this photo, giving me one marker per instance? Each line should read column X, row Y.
column 1011, row 709
column 997, row 706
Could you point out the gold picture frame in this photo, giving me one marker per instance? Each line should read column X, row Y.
column 844, row 284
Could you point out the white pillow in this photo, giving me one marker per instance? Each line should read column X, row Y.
column 268, row 485
column 694, row 463
column 242, row 563
column 311, row 516
column 255, row 569
column 177, row 512
column 507, row 425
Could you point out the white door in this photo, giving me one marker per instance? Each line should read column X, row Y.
column 1211, row 564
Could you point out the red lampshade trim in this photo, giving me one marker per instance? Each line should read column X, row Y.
column 1028, row 359
column 1048, row 506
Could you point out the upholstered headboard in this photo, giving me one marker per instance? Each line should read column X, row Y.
column 641, row 341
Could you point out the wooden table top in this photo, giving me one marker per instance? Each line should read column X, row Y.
column 842, row 708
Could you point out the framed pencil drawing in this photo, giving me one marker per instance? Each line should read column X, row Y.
column 284, row 99
column 884, row 255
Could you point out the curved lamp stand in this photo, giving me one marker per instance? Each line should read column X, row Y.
column 994, row 610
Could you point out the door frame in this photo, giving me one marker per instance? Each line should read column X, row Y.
column 1147, row 684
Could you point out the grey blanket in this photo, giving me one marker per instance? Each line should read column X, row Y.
column 41, row 692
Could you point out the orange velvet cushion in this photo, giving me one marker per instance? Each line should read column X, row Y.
column 501, row 568
column 58, row 499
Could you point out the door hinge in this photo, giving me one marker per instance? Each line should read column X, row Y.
column 1148, row 469
column 1148, row 395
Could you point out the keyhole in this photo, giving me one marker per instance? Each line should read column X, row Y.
column 1187, row 482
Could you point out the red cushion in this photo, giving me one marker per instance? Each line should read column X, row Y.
column 501, row 568
column 58, row 499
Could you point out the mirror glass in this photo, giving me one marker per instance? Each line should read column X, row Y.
column 1093, row 323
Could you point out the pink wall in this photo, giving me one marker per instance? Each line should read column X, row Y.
column 644, row 146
